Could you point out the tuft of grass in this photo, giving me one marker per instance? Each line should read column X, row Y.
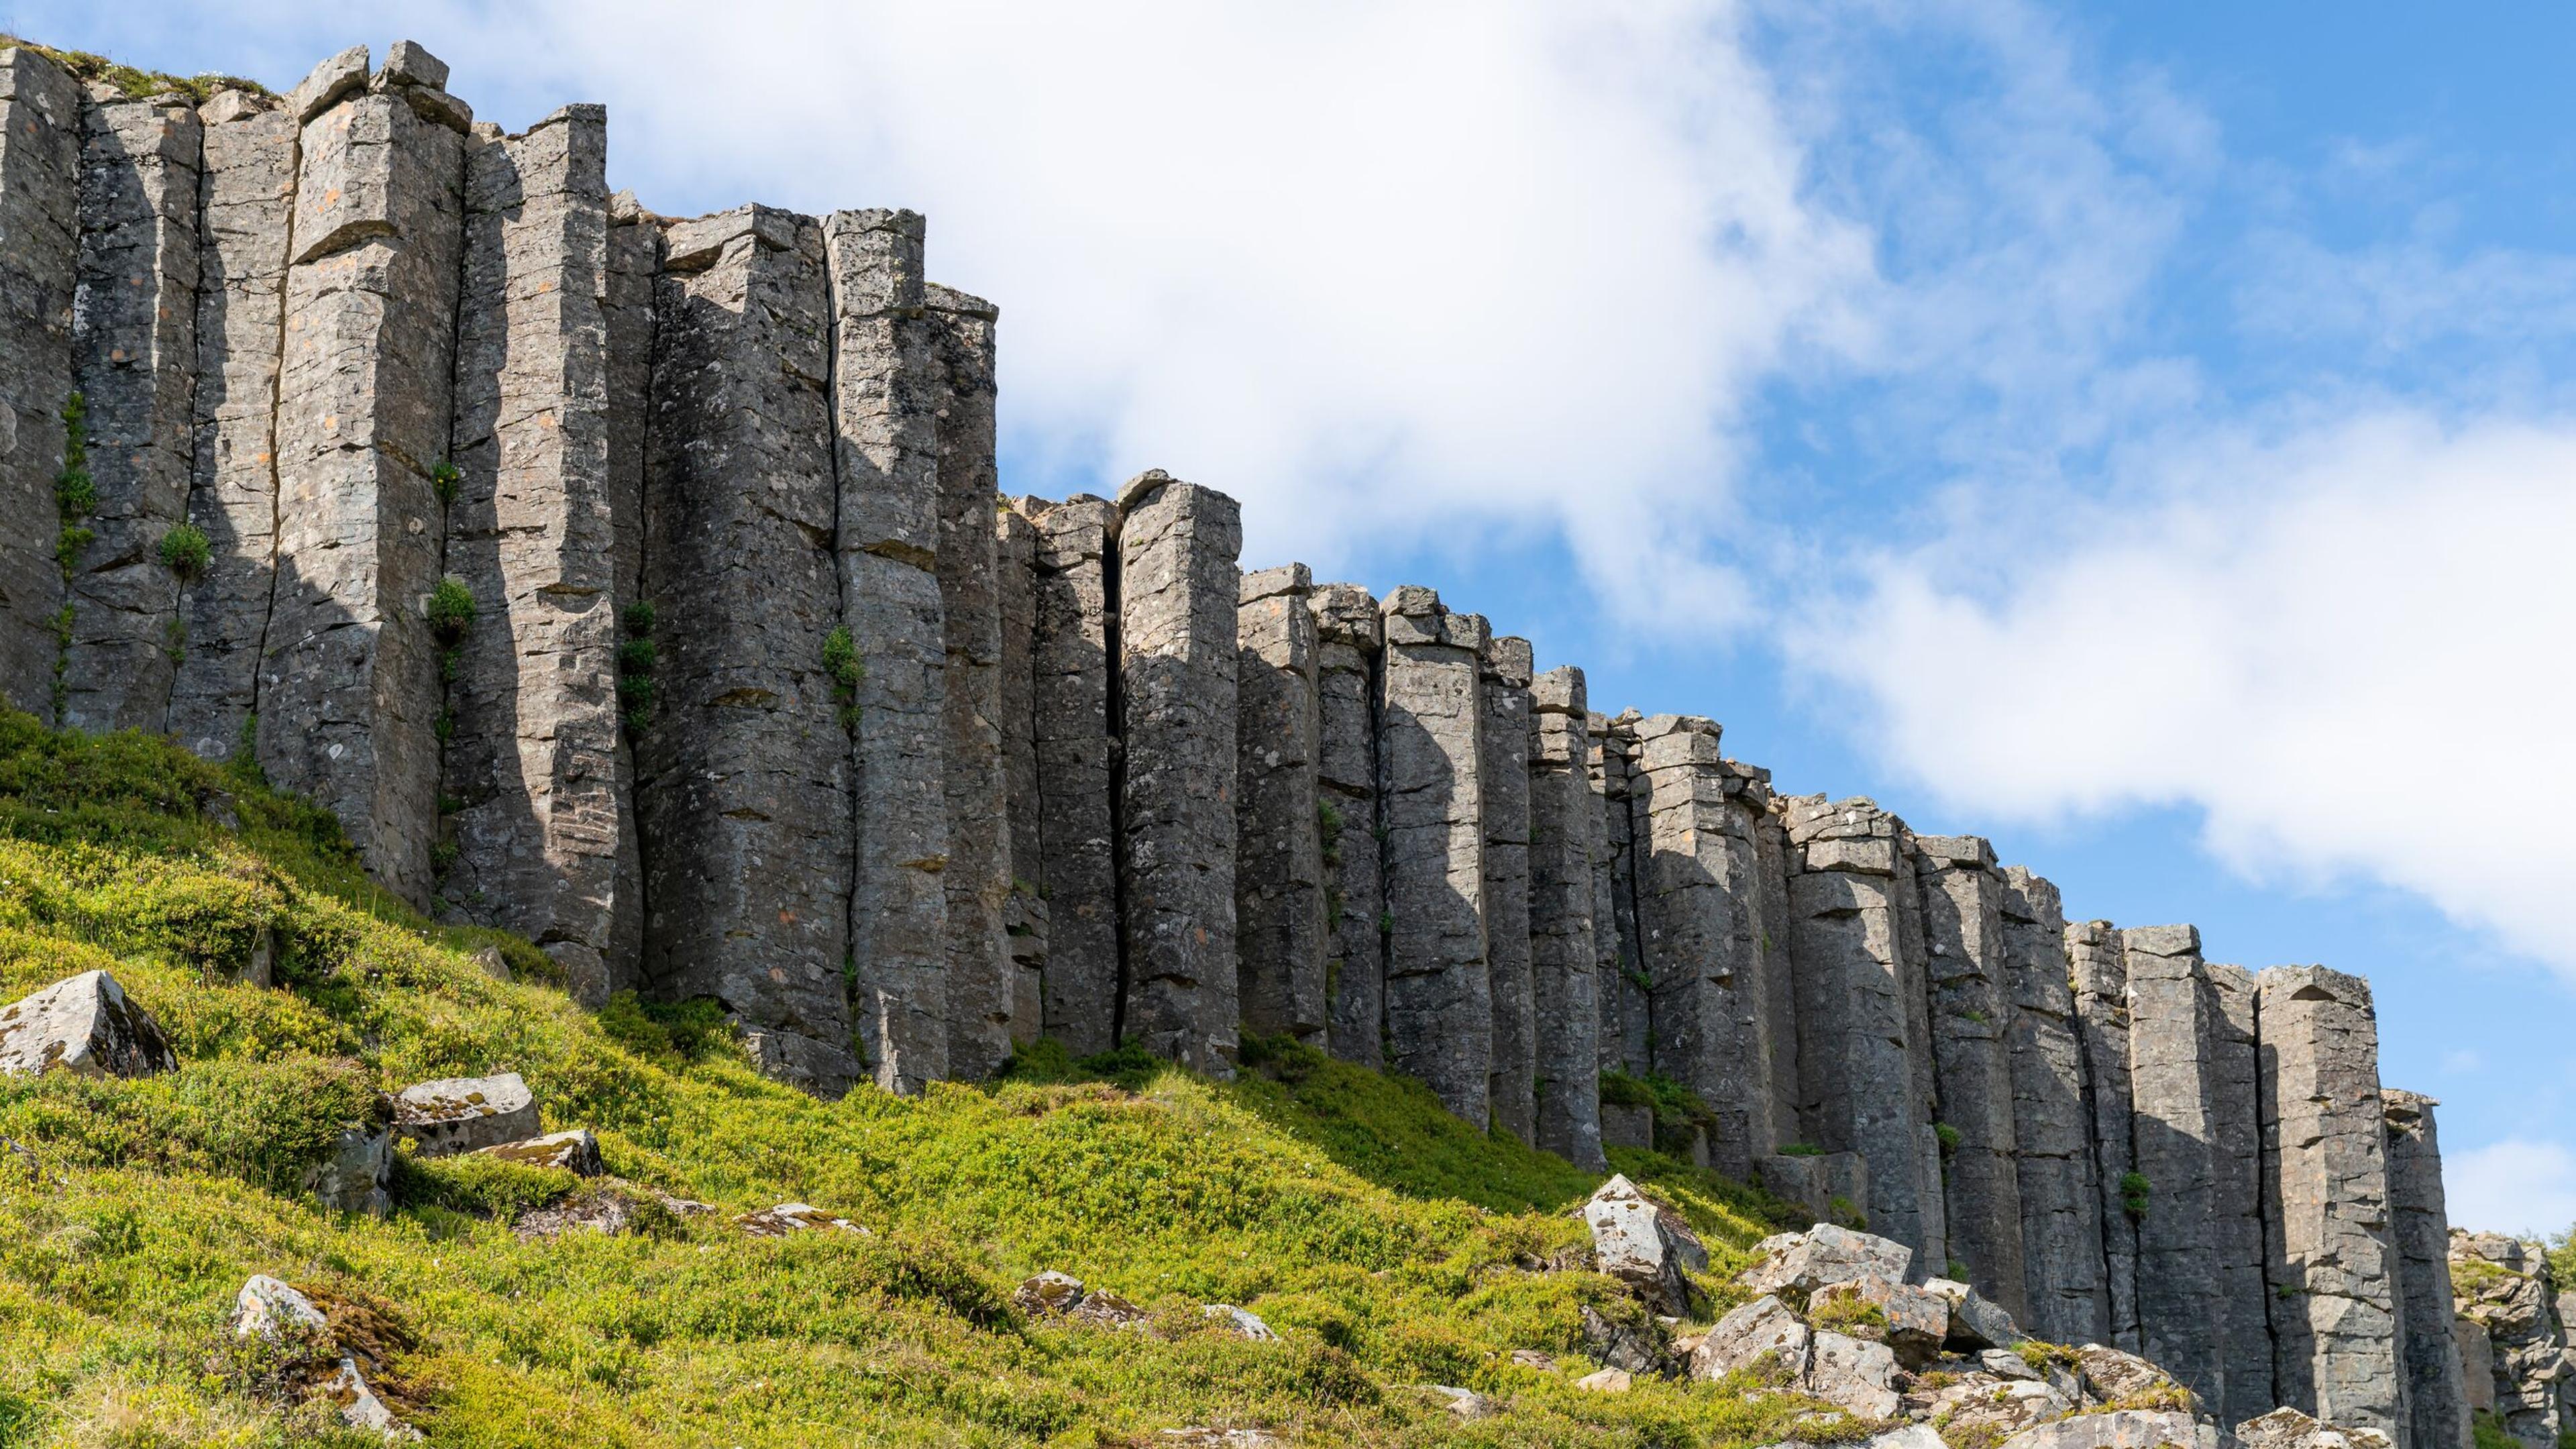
column 2133, row 1194
column 451, row 610
column 135, row 84
column 842, row 663
column 185, row 550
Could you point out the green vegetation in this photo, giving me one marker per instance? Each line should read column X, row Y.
column 2133, row 1194
column 444, row 480
column 635, row 660
column 1388, row 1243
column 75, row 491
column 841, row 661
column 135, row 85
column 185, row 550
column 2488, row 1433
column 451, row 610
column 1679, row 1112
column 1949, row 1136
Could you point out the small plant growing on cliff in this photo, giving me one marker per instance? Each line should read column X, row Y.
column 1801, row 1149
column 75, row 492
column 185, row 550
column 2133, row 1194
column 451, row 610
column 635, row 660
column 443, row 481
column 1949, row 1136
column 841, row 661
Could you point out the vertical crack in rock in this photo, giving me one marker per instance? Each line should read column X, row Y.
column 1970, row 1012
column 1627, row 1032
column 1564, row 851
column 349, row 684
column 1072, row 663
column 634, row 258
column 1439, row 1000
column 1015, row 557
column 246, row 200
column 1858, row 1090
column 2236, row 1193
column 1177, row 583
column 742, row 778
column 1347, row 635
column 2098, row 966
column 2172, row 1037
column 1504, row 740
column 978, row 876
column 134, row 348
column 537, row 816
column 2061, row 1203
column 40, row 150
column 2330, row 1253
column 887, row 391
column 1280, row 929
column 2436, row 1389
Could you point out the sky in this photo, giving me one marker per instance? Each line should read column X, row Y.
column 2142, row 435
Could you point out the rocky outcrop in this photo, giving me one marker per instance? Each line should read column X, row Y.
column 466, row 1114
column 85, row 1025
column 1279, row 854
column 1347, row 639
column 1503, row 689
column 1431, row 767
column 1565, row 823
column 2436, row 1384
column 2504, row 1298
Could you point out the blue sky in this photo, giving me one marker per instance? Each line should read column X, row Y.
column 2139, row 434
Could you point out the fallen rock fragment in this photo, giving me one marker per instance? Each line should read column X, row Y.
column 2113, row 1376
column 2287, row 1428
column 1606, row 1381
column 2121, row 1429
column 1627, row 1346
column 1982, row 1409
column 1532, row 1358
column 1762, row 1336
column 352, row 1179
column 466, row 1114
column 1851, row 1374
column 1242, row 1321
column 1912, row 1321
column 1047, row 1292
column 1797, row 1264
column 795, row 1217
column 1104, row 1309
column 610, row 1207
column 1643, row 1245
column 85, row 1025
column 576, row 1152
column 1467, row 1404
column 1975, row 1321
column 275, row 1312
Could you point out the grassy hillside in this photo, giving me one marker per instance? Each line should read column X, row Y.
column 1388, row 1244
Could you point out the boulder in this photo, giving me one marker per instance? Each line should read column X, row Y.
column 271, row 1309
column 2287, row 1428
column 1242, row 1321
column 1627, row 1346
column 1797, row 1264
column 576, row 1152
column 466, row 1114
column 1606, row 1381
column 491, row 962
column 1200, row 1437
column 1467, row 1404
column 610, row 1207
column 1048, row 1292
column 87, row 1026
column 1912, row 1436
column 1982, row 1409
column 1531, row 1358
column 1913, row 1322
column 358, row 1404
column 2114, row 1376
column 275, row 1312
column 2124, row 1429
column 1762, row 1335
column 795, row 1217
column 1104, row 1309
column 1853, row 1374
column 2003, row 1363
column 352, row 1179
column 1643, row 1246
column 1975, row 1321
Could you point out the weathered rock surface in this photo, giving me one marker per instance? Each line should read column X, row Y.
column 576, row 1152
column 1347, row 642
column 1976, row 1322
column 40, row 150
column 2097, row 959
column 2504, row 1289
column 1644, row 1245
column 1801, row 1263
column 272, row 1310
column 1971, row 1012
column 1071, row 668
column 2436, row 1383
column 85, row 1025
column 1565, row 824
column 1279, row 900
column 794, row 1217
column 2061, row 1203
column 2173, row 1038
column 1764, row 1337
column 2121, row 1429
column 2236, row 1194
column 353, row 1178
column 1503, row 735
column 466, row 1114
column 1439, row 998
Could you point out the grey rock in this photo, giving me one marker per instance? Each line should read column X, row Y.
column 1975, row 1321
column 1439, row 1001
column 1631, row 1346
column 466, row 1114
column 2436, row 1380
column 1831, row 1186
column 1024, row 912
column 2504, row 1288
column 1624, row 1126
column 331, row 82
column 1643, row 1245
column 1466, row 1404
column 1242, row 1322
column 1047, row 1292
column 790, row 1218
column 2236, row 1196
column 2066, row 1299
column 2173, row 1035
column 2124, row 1429
column 353, row 1178
column 1281, row 934
column 1177, row 583
column 1917, row 1319
column 2477, row 1362
column 1978, row 1407
column 40, row 153
column 1627, row 1027
column 1565, row 825
column 1853, row 1374
column 1800, row 1263
column 85, row 1025
column 1971, row 1012
column 1503, row 736
column 2097, row 960
column 1762, row 1336
column 1070, row 671
column 410, row 63
column 576, row 1152
column 1347, row 651
column 2287, row 1428
column 269, row 1309
column 2111, row 1375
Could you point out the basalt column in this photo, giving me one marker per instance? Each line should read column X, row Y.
column 1626, row 1030
column 2330, row 1253
column 1970, row 1013
column 1759, row 820
column 1439, row 1001
column 1024, row 912
column 1280, row 928
column 2098, row 963
column 742, row 773
column 1347, row 644
column 2171, row 1038
column 634, row 259
column 40, row 145
column 980, row 973
column 2236, row 1193
column 887, row 389
column 1070, row 668
column 1857, row 1085
column 134, row 350
column 2436, row 1389
column 2061, row 1204
column 534, row 768
column 349, row 689
column 1177, row 583
column 1565, row 827
column 1504, row 770
column 246, row 199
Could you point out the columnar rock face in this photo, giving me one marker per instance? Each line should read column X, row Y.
column 349, row 695
column 2437, row 1398
column 1072, row 663
column 2504, row 1305
column 1439, row 1001
column 2171, row 1037
column 978, row 877
column 535, row 766
column 742, row 773
column 1015, row 553
column 1565, row 826
column 134, row 350
column 1971, row 1013
column 1279, row 859
column 1856, row 1074
column 2236, row 1193
column 2341, row 1347
column 40, row 146
column 2098, row 965
column 1177, row 583
column 1347, row 640
column 887, row 390
column 246, row 199
column 1504, row 690
column 2061, row 1204
column 1620, row 980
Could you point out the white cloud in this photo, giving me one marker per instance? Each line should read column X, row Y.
column 2513, row 1186
column 2346, row 648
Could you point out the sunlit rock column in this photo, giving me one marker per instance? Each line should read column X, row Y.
column 743, row 796
column 888, row 387
column 2061, row 1205
column 1626, row 1024
column 2236, row 1193
column 2172, row 1035
column 1280, row 929
column 1970, row 1013
column 1347, row 644
column 1565, row 825
column 2098, row 968
column 1177, row 583
column 1504, row 738
column 2436, row 1387
column 134, row 352
column 634, row 262
column 2330, row 1250
column 1024, row 914
column 40, row 145
column 1071, row 666
column 1439, row 1002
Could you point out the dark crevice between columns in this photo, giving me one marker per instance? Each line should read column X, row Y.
column 1114, row 647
